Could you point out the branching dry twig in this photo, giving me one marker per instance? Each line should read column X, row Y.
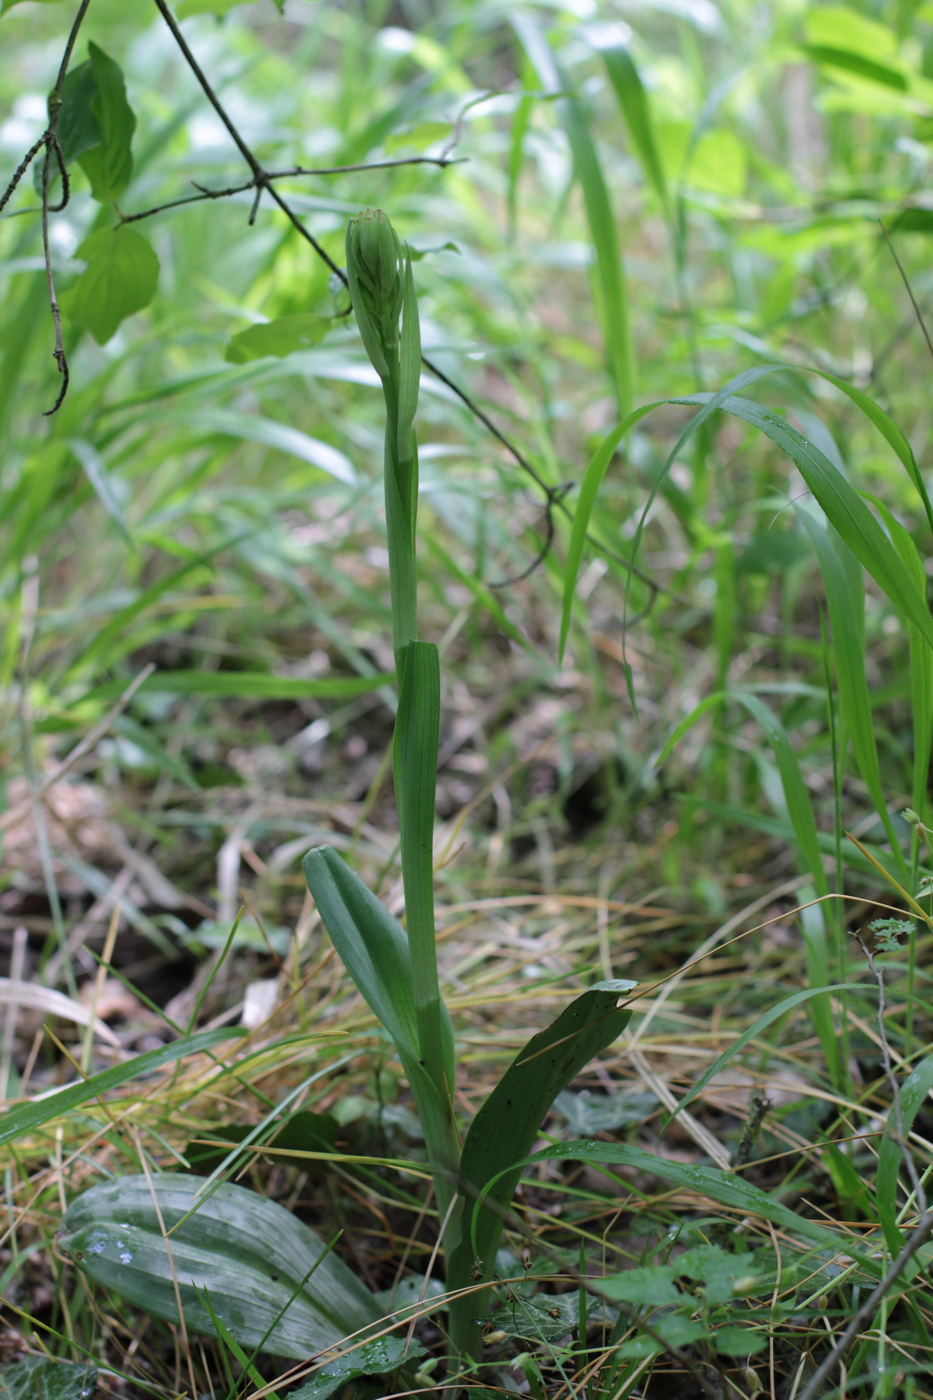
column 49, row 139
column 921, row 1231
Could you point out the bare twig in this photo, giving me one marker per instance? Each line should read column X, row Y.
column 50, row 140
column 916, row 1240
column 921, row 1231
column 262, row 180
column 913, row 300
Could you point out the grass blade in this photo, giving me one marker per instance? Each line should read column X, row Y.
column 25, row 1118
column 602, row 225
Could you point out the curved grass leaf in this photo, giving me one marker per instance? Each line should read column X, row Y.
column 774, row 1013
column 843, row 506
column 633, row 102
column 25, row 1118
column 588, row 171
column 589, row 490
column 842, row 579
column 716, row 1185
column 249, row 427
column 249, row 1254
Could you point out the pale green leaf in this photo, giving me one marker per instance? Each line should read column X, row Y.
column 280, row 337
column 120, row 278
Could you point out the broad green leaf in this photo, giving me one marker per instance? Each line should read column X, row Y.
column 774, row 1013
column 379, row 1357
column 121, row 277
column 78, row 129
column 249, row 427
column 279, row 337
column 633, row 102
column 716, row 1185
column 505, row 1127
column 109, row 164
column 717, row 163
column 374, row 949
column 27, row 1117
column 248, row 1253
column 845, row 28
column 613, row 296
column 739, row 1341
column 544, row 1318
column 914, row 221
column 650, row 1285
column 41, row 1378
column 914, row 1092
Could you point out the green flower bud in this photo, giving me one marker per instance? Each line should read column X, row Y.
column 375, row 267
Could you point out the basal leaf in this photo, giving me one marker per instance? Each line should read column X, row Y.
column 121, row 277
column 279, row 337
column 109, row 164
column 247, row 1253
column 843, row 506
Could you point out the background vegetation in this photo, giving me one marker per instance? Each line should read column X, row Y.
column 620, row 204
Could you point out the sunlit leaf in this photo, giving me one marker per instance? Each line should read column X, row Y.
column 120, row 278
column 279, row 337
